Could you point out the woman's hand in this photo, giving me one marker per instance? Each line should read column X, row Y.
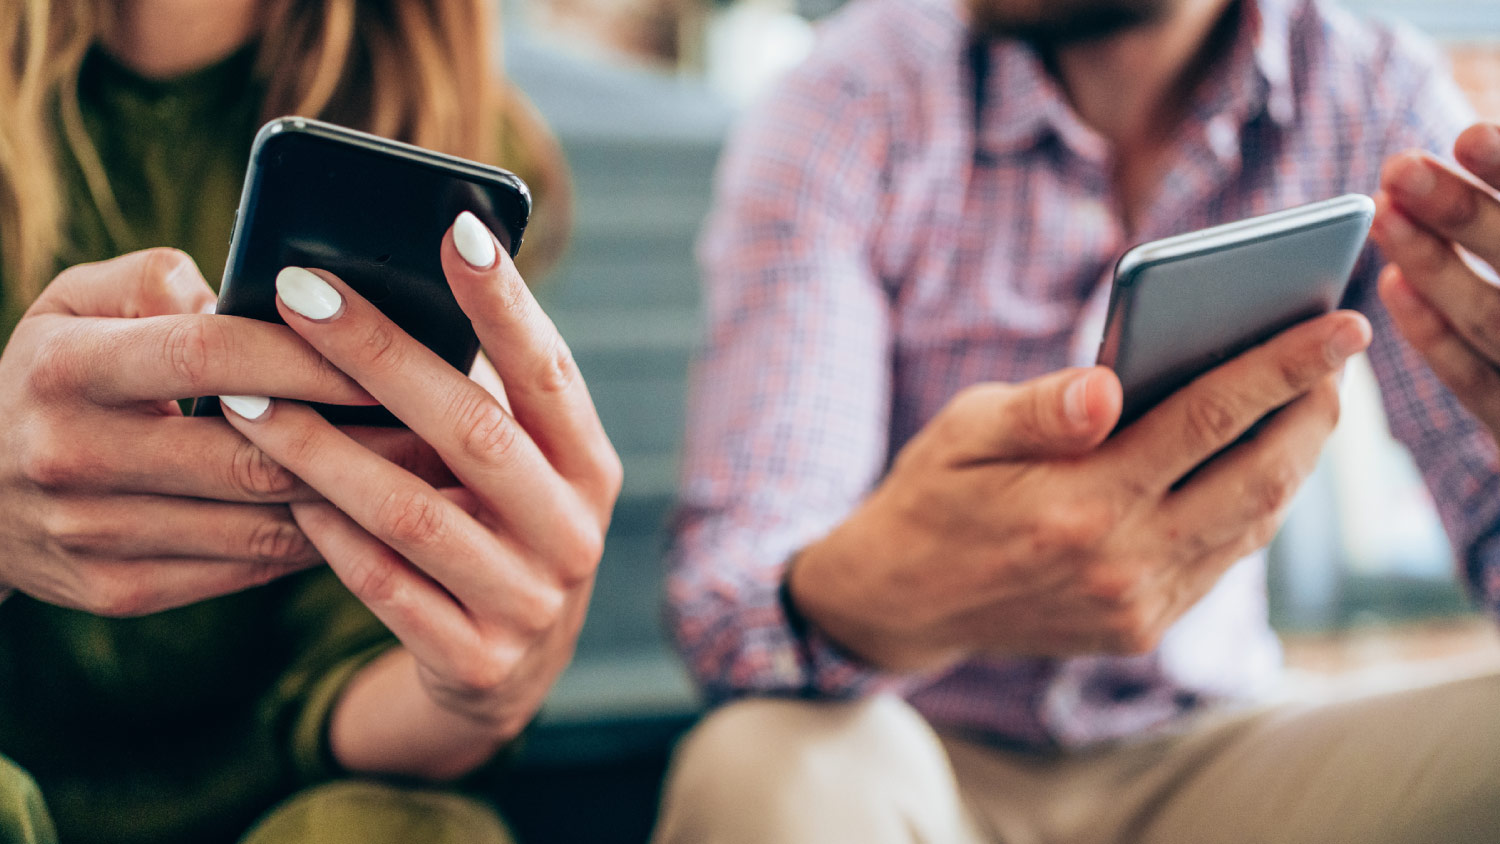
column 1441, row 231
column 112, row 501
column 485, row 583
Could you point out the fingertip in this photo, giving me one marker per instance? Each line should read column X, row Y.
column 1478, row 150
column 1399, row 296
column 249, row 408
column 1397, row 165
column 1092, row 402
column 1414, row 318
column 468, row 281
column 1107, row 398
column 474, row 242
column 1392, row 228
column 1389, row 278
column 1361, row 324
column 310, row 294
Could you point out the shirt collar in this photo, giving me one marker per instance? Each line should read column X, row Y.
column 1024, row 104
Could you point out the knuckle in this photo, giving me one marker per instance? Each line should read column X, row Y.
column 1428, row 255
column 302, row 445
column 1072, row 526
column 539, row 612
column 70, row 529
column 74, row 274
column 487, row 669
column 581, row 559
column 557, row 371
column 1114, row 587
column 380, row 349
column 254, row 473
column 373, row 578
column 54, row 366
column 1260, row 535
column 1484, row 322
column 111, row 595
column 611, row 473
column 411, row 518
column 1298, row 372
column 485, row 431
column 946, row 427
column 1457, row 208
column 160, row 268
column 1211, row 418
column 191, row 348
column 278, row 542
column 1270, row 492
column 971, row 408
column 46, row 464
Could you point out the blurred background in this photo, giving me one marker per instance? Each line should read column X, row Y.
column 641, row 94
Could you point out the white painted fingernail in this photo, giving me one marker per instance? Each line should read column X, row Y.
column 308, row 295
column 475, row 243
column 250, row 407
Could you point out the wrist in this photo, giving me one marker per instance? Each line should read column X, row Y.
column 832, row 589
column 388, row 722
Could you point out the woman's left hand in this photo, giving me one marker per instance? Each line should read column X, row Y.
column 485, row 584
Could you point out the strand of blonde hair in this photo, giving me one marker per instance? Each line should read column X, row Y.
column 415, row 70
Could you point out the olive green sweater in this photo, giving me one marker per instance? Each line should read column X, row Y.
column 185, row 725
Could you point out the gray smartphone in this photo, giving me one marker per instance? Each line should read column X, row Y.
column 1182, row 305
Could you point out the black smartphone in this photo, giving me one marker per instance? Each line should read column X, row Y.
column 373, row 212
column 1183, row 305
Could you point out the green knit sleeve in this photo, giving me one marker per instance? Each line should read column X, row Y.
column 331, row 636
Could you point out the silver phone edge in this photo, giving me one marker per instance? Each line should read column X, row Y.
column 1210, row 240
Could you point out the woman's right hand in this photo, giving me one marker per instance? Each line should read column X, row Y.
column 113, row 502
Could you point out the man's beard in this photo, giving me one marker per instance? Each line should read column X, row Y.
column 1058, row 23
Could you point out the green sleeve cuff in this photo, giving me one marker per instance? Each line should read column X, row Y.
column 312, row 755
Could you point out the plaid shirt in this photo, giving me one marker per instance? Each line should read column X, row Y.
column 889, row 230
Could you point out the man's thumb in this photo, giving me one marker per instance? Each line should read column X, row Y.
column 1062, row 414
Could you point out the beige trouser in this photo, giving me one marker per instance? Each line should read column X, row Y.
column 1417, row 765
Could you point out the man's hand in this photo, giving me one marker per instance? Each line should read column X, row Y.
column 113, row 502
column 1441, row 231
column 1009, row 525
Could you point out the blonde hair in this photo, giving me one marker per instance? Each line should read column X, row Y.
column 415, row 70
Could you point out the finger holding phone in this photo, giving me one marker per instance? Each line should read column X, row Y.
column 115, row 503
column 1440, row 228
column 486, row 582
column 1010, row 525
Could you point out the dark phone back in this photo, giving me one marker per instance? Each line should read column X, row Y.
column 372, row 212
